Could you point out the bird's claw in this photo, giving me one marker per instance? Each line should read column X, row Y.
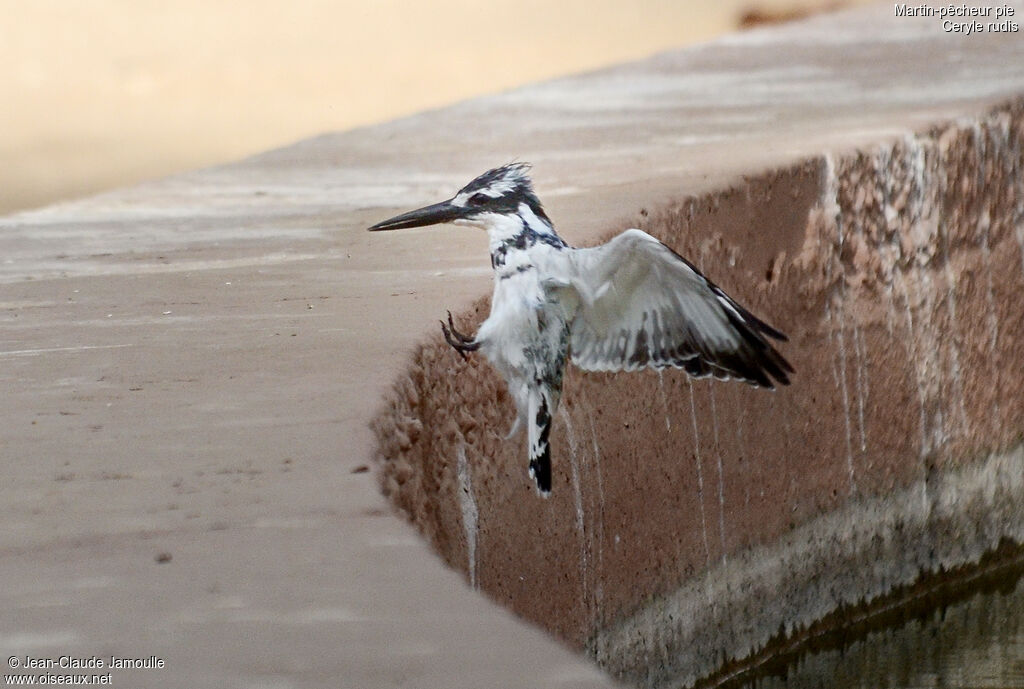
column 459, row 342
column 459, row 336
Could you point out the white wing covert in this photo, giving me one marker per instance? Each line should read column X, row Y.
column 640, row 304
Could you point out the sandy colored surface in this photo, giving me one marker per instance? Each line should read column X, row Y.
column 191, row 366
column 216, row 412
column 110, row 92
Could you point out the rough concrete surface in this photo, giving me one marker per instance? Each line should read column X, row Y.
column 702, row 517
column 192, row 368
column 692, row 521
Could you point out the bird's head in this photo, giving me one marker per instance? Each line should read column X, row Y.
column 497, row 198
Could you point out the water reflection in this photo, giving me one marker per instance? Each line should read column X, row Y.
column 975, row 641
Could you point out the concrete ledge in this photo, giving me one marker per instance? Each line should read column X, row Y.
column 691, row 522
column 705, row 517
column 192, row 367
column 857, row 553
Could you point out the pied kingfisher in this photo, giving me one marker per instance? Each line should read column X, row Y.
column 629, row 304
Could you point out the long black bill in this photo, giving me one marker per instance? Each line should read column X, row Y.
column 430, row 215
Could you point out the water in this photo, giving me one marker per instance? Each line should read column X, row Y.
column 966, row 637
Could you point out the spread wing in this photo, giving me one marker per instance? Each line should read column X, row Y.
column 640, row 304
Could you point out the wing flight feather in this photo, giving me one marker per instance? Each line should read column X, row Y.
column 642, row 305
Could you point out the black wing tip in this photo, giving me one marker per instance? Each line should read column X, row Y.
column 764, row 358
column 787, row 367
column 758, row 364
column 760, row 326
column 774, row 368
column 776, row 365
column 772, row 332
column 780, row 378
column 766, row 377
column 746, row 318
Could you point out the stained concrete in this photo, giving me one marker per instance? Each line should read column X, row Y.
column 696, row 520
column 193, row 366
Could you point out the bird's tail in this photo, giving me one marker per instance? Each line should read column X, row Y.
column 539, row 425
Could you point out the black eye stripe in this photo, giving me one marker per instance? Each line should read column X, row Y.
column 478, row 199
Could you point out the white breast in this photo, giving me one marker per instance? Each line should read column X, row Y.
column 519, row 301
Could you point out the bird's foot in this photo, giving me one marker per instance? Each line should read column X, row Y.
column 459, row 342
column 455, row 333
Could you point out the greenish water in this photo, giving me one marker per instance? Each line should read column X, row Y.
column 966, row 637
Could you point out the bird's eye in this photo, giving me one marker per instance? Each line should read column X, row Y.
column 478, row 199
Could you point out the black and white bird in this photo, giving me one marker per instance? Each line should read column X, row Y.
column 629, row 304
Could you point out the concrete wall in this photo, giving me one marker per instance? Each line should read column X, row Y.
column 191, row 368
column 690, row 521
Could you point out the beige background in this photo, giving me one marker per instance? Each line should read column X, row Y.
column 100, row 93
